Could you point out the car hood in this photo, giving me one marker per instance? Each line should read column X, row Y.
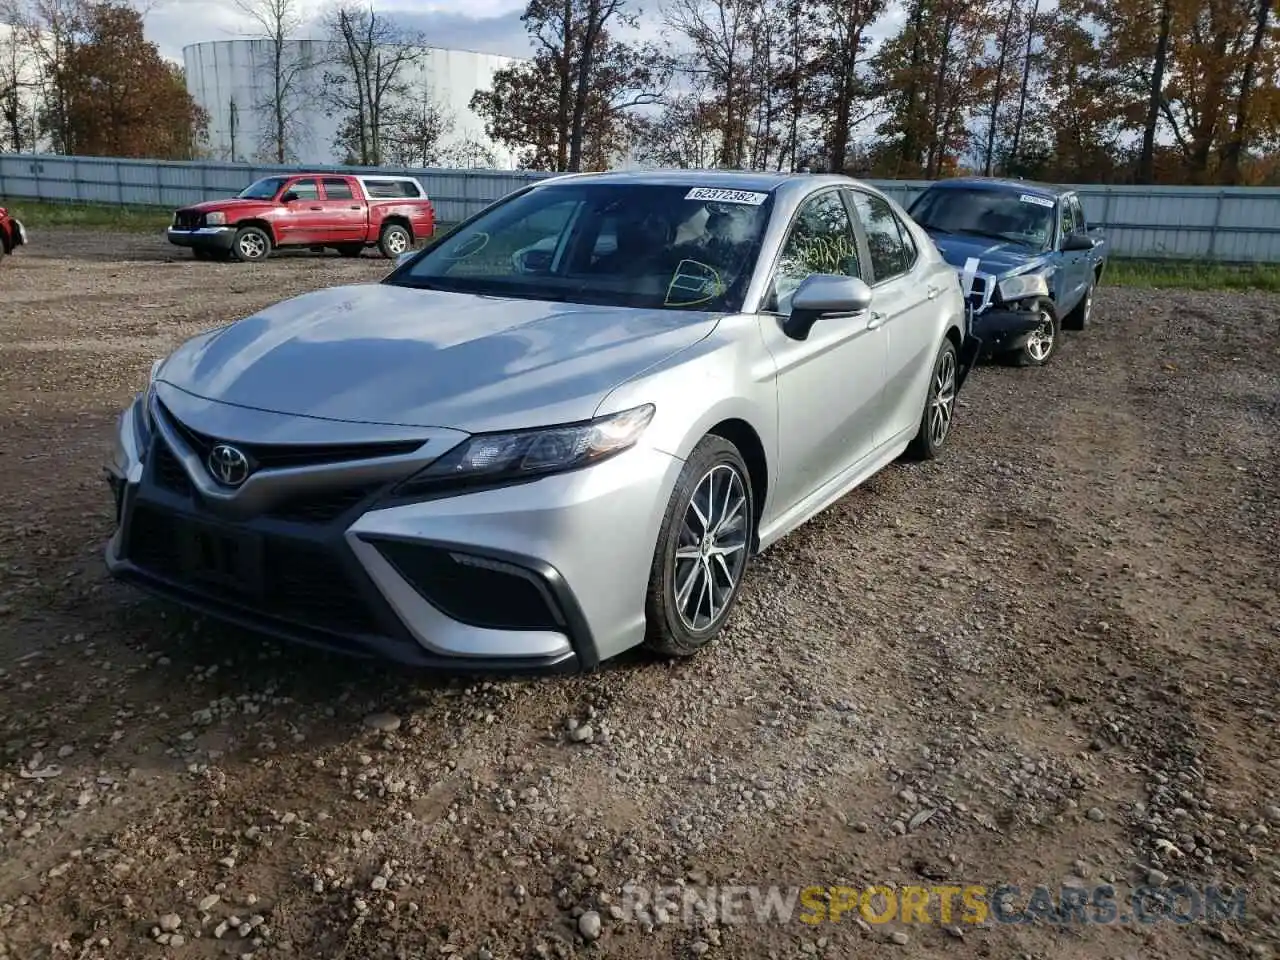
column 225, row 204
column 377, row 353
column 997, row 257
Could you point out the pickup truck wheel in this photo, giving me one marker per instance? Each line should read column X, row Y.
column 1042, row 344
column 1078, row 318
column 251, row 244
column 939, row 406
column 351, row 249
column 394, row 240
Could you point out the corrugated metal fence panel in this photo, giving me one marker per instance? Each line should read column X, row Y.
column 1231, row 224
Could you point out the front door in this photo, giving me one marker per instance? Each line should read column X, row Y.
column 1076, row 264
column 829, row 384
column 301, row 219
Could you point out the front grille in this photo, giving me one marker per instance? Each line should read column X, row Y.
column 281, row 455
column 168, row 472
column 324, row 506
column 299, row 581
column 475, row 590
column 188, row 219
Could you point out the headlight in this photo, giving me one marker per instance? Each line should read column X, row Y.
column 489, row 458
column 1022, row 287
column 215, row 219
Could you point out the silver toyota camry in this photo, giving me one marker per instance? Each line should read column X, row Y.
column 559, row 431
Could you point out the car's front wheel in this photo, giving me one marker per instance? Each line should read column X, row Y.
column 1042, row 342
column 251, row 244
column 939, row 405
column 703, row 550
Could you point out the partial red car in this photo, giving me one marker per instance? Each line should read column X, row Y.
column 317, row 210
column 12, row 233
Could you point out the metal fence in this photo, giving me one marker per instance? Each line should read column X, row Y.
column 1233, row 224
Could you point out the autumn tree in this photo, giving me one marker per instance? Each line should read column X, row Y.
column 571, row 106
column 122, row 99
column 370, row 70
column 844, row 94
column 283, row 103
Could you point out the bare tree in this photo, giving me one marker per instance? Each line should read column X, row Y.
column 370, row 69
column 413, row 129
column 282, row 105
column 17, row 83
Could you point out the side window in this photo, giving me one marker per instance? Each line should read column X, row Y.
column 390, row 189
column 1078, row 212
column 889, row 257
column 821, row 241
column 910, row 251
column 336, row 188
column 305, row 189
column 1068, row 221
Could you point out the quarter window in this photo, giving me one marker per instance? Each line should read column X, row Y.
column 337, row 189
column 821, row 241
column 890, row 257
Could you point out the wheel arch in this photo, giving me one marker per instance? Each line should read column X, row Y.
column 396, row 220
column 743, row 436
column 262, row 225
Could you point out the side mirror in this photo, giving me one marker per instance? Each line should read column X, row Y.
column 288, row 197
column 1078, row 241
column 822, row 295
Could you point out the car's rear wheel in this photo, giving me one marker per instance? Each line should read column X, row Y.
column 703, row 550
column 939, row 405
column 251, row 244
column 1078, row 319
column 394, row 240
column 1042, row 343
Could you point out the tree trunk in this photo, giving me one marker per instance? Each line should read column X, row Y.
column 1146, row 159
column 997, row 90
column 1240, row 132
column 910, row 142
column 586, row 63
column 1026, row 81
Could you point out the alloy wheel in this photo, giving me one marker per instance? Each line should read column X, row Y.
column 711, row 551
column 1040, row 343
column 252, row 246
column 942, row 403
column 397, row 242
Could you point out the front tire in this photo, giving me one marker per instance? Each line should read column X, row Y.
column 703, row 550
column 1042, row 344
column 251, row 245
column 939, row 406
column 394, row 240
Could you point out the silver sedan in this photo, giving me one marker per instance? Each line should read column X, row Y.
column 561, row 430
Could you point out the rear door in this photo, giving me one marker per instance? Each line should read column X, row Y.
column 904, row 305
column 345, row 213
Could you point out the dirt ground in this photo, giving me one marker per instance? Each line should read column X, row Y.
column 1049, row 658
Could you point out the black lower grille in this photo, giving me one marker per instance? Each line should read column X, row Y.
column 290, row 579
column 322, row 507
column 169, row 473
column 474, row 590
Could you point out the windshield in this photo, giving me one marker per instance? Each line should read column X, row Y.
column 617, row 244
column 1017, row 217
column 264, row 189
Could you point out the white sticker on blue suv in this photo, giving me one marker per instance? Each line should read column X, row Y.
column 1038, row 201
column 726, row 196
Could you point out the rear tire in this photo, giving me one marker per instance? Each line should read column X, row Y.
column 251, row 245
column 394, row 240
column 703, row 550
column 939, row 406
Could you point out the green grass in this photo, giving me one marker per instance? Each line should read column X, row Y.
column 1193, row 275
column 42, row 214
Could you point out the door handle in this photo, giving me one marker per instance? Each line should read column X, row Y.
column 315, row 208
column 933, row 292
column 876, row 321
column 355, row 206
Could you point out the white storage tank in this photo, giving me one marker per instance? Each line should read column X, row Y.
column 232, row 81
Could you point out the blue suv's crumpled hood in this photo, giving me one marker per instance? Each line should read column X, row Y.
column 998, row 257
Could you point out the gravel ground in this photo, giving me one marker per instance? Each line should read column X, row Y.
column 1048, row 658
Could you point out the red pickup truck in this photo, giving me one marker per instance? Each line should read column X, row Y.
column 12, row 234
column 316, row 210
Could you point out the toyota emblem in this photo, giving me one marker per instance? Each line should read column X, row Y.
column 228, row 465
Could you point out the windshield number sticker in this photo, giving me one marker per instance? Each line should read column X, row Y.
column 726, row 196
column 1038, row 201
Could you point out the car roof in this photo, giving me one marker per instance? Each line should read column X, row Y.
column 724, row 179
column 1051, row 190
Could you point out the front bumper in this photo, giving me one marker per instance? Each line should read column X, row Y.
column 1002, row 329
column 204, row 238
column 543, row 576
